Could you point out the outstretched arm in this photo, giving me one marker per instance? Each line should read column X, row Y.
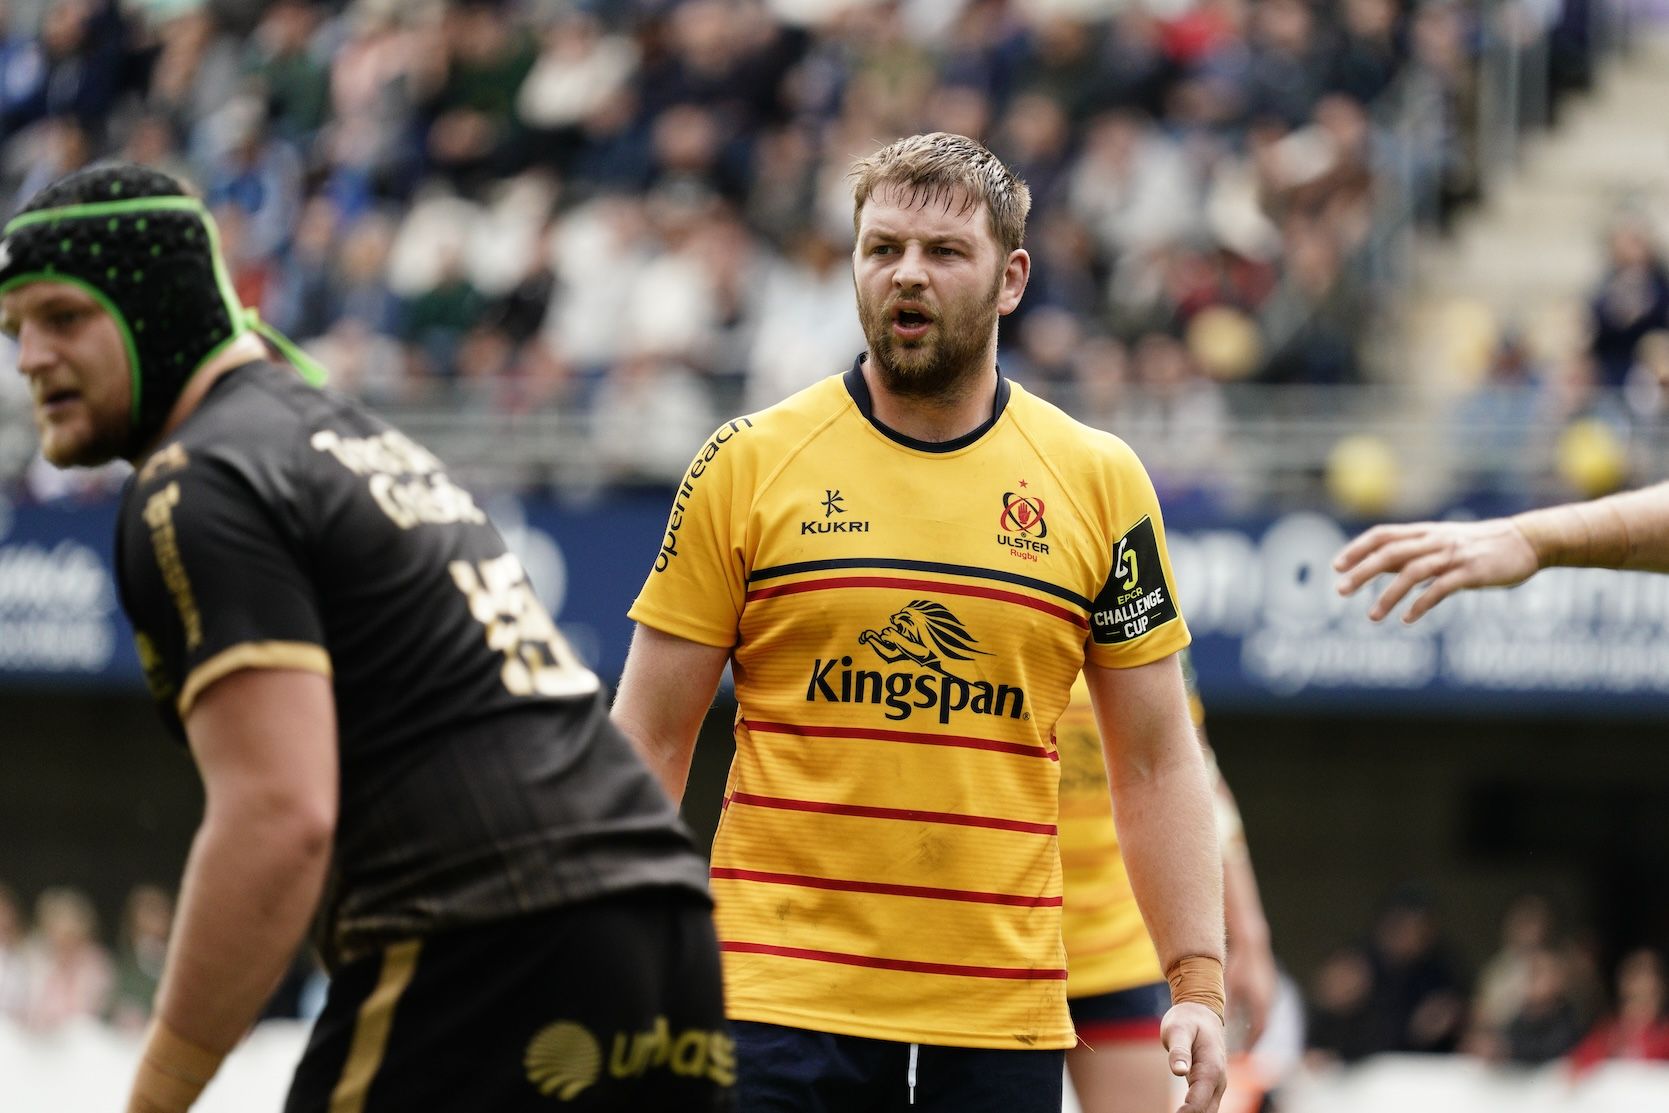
column 665, row 691
column 1251, row 973
column 1162, row 802
column 1625, row 531
column 265, row 743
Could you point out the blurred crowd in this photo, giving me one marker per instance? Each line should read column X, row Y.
column 1543, row 996
column 57, row 967
column 1606, row 386
column 636, row 209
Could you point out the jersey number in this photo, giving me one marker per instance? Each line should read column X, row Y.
column 537, row 661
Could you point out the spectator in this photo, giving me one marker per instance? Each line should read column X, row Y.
column 195, row 70
column 1366, row 58
column 362, row 289
column 1647, row 387
column 1547, row 1023
column 1492, row 426
column 292, row 81
column 373, row 144
column 652, row 413
column 1503, row 983
column 1286, row 69
column 1344, row 1025
column 436, row 319
column 253, row 171
column 1101, row 377
column 1416, row 988
column 806, row 324
column 70, row 973
column 1131, row 185
column 303, row 298
column 14, row 977
column 472, row 132
column 1180, row 416
column 1315, row 316
column 73, row 68
column 581, row 67
column 147, row 919
column 1631, row 301
column 1638, row 1029
column 1048, row 341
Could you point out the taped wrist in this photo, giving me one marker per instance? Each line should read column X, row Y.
column 1197, row 978
column 1581, row 535
column 172, row 1072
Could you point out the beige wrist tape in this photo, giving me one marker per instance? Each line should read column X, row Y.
column 1197, row 978
column 172, row 1072
column 1581, row 535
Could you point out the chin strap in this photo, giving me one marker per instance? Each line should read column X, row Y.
column 309, row 368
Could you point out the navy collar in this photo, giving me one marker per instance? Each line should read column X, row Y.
column 859, row 390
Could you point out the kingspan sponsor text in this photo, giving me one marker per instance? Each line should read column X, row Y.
column 904, row 693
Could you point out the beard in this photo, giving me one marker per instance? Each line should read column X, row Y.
column 935, row 365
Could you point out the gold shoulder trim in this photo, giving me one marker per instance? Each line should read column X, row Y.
column 251, row 655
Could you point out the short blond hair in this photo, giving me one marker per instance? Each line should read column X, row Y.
column 926, row 165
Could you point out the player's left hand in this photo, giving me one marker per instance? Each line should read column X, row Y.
column 1193, row 1039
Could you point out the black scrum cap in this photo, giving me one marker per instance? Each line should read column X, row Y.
column 134, row 240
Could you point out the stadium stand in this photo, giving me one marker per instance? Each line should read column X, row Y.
column 1280, row 247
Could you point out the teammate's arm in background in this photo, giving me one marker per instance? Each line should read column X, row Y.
column 265, row 745
column 1162, row 803
column 1624, row 531
column 1251, row 974
column 665, row 691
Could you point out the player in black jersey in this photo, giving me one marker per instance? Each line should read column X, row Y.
column 373, row 696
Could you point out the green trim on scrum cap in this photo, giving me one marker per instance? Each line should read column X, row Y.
column 104, row 208
column 104, row 303
column 137, row 205
column 244, row 319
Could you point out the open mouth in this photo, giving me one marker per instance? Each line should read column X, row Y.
column 910, row 323
column 57, row 399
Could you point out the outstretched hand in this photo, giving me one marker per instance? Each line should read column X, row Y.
column 1194, row 1045
column 1446, row 556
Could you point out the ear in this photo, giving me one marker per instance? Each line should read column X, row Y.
column 1016, row 272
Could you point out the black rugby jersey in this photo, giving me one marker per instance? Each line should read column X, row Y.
column 284, row 526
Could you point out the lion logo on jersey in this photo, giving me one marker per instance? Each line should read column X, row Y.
column 923, row 632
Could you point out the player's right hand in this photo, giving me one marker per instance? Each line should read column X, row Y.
column 1446, row 556
column 1194, row 1046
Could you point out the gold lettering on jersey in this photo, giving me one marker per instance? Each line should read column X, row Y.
column 406, row 480
column 164, row 462
column 159, row 515
column 675, row 521
column 537, row 659
column 150, row 662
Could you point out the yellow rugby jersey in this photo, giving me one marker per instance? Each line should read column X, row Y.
column 1107, row 945
column 905, row 621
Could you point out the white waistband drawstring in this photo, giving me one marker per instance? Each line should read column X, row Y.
column 915, row 1051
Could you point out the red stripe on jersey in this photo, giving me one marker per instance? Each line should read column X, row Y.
column 1023, row 973
column 1138, row 1030
column 962, row 740
column 882, row 888
column 945, row 586
column 870, row 812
